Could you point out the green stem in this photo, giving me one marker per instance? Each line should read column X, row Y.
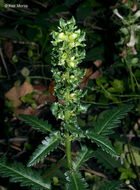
column 131, row 78
column 68, row 150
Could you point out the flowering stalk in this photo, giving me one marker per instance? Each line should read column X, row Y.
column 68, row 52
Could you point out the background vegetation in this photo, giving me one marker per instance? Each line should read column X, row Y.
column 112, row 78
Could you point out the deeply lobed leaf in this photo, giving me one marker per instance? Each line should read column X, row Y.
column 106, row 160
column 48, row 145
column 83, row 155
column 25, row 176
column 102, row 142
column 36, row 123
column 75, row 181
column 111, row 119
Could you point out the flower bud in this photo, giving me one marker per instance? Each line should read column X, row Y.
column 73, row 36
column 61, row 36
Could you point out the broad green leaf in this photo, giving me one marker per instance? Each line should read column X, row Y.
column 102, row 142
column 36, row 123
column 25, row 176
column 83, row 155
column 111, row 119
column 48, row 145
column 75, row 181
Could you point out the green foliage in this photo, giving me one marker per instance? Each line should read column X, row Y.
column 48, row 145
column 75, row 181
column 9, row 33
column 129, row 40
column 25, row 176
column 38, row 124
column 117, row 86
column 111, row 119
column 135, row 153
column 127, row 173
column 106, row 160
column 114, row 185
column 67, row 54
column 102, row 142
column 83, row 155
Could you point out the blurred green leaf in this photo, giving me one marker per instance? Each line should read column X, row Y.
column 9, row 33
column 83, row 11
column 95, row 53
column 70, row 2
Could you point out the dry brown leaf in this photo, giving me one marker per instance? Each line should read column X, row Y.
column 8, row 47
column 88, row 73
column 51, row 87
column 42, row 98
column 39, row 88
column 26, row 88
column 27, row 111
column 97, row 63
column 13, row 94
column 60, row 101
column 84, row 83
column 16, row 92
column 96, row 74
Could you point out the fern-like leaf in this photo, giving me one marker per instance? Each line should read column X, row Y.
column 25, row 176
column 83, row 155
column 106, row 160
column 36, row 123
column 75, row 181
column 111, row 119
column 102, row 142
column 48, row 145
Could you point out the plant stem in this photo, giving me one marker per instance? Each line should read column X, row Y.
column 131, row 78
column 68, row 150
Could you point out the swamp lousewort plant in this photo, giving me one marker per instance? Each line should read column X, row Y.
column 68, row 52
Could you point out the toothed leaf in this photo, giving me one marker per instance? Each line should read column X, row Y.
column 106, row 160
column 36, row 123
column 18, row 173
column 111, row 119
column 102, row 142
column 83, row 155
column 48, row 145
column 75, row 181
